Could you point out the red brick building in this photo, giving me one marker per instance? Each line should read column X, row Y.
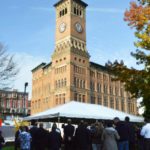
column 12, row 103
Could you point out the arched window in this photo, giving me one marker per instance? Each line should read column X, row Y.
column 65, row 81
column 80, row 83
column 80, row 13
column 60, row 13
column 62, row 83
column 65, row 10
column 56, row 84
column 84, row 84
column 77, row 82
column 59, row 83
column 75, row 10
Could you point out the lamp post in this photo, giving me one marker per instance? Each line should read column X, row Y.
column 24, row 101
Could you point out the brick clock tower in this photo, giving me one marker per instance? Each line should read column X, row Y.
column 70, row 75
column 70, row 58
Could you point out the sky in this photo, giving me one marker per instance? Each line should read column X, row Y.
column 27, row 27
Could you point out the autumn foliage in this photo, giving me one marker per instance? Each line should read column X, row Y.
column 137, row 81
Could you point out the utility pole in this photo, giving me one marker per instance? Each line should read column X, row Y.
column 24, row 102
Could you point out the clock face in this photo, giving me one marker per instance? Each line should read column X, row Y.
column 78, row 27
column 62, row 27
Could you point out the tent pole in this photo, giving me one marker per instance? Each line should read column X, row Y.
column 58, row 121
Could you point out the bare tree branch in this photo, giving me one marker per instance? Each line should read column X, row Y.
column 8, row 68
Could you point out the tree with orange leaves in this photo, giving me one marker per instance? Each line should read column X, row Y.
column 137, row 81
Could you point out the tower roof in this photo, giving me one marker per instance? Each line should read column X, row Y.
column 77, row 1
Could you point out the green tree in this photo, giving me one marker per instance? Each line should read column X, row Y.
column 137, row 81
column 8, row 68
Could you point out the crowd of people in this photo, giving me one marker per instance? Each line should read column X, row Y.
column 109, row 135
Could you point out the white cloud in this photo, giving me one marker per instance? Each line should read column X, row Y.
column 26, row 63
column 105, row 10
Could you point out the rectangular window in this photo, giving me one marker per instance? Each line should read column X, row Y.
column 80, row 98
column 105, row 101
column 111, row 102
column 117, row 103
column 92, row 100
column 122, row 105
column 98, row 87
column 99, row 100
column 83, row 98
column 105, row 89
column 75, row 96
column 56, row 99
column 64, row 98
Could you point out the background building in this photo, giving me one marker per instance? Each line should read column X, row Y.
column 70, row 75
column 12, row 104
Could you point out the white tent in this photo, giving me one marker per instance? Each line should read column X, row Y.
column 83, row 111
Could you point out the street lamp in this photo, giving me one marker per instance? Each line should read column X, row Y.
column 24, row 102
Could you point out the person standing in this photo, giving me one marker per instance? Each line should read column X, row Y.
column 145, row 132
column 96, row 135
column 123, row 131
column 82, row 137
column 110, row 137
column 33, row 131
column 131, row 129
column 2, row 141
column 54, row 139
column 25, row 139
column 68, row 135
column 41, row 136
column 17, row 141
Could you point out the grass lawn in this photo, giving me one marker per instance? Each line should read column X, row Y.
column 8, row 148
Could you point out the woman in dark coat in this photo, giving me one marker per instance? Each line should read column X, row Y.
column 110, row 137
column 54, row 139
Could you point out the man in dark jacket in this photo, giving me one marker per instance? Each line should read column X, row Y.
column 82, row 137
column 54, row 139
column 123, row 131
column 17, row 141
column 42, row 136
column 68, row 135
column 33, row 131
column 131, row 133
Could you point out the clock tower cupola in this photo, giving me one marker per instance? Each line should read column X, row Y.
column 70, row 25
